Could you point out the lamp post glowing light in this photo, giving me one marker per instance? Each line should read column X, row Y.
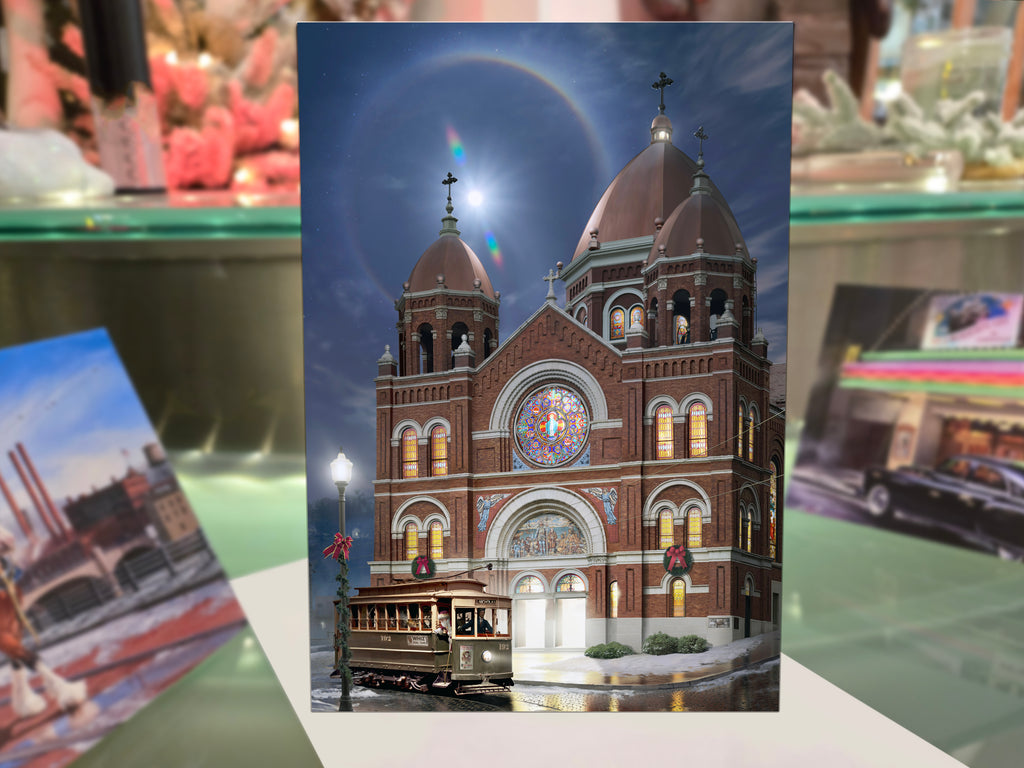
column 341, row 474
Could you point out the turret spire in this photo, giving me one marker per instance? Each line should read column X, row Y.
column 448, row 222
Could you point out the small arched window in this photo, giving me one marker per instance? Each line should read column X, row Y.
column 694, row 527
column 613, row 600
column 750, row 436
column 663, row 432
column 741, row 420
column 412, row 541
column 570, row 583
column 678, row 597
column 636, row 316
column 773, row 500
column 666, row 532
column 529, row 585
column 697, row 421
column 617, row 328
column 436, row 541
column 410, row 449
column 439, row 451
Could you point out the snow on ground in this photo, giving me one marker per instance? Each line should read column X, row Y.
column 670, row 663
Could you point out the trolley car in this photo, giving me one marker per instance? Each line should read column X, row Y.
column 445, row 634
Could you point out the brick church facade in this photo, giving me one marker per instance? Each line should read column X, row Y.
column 633, row 421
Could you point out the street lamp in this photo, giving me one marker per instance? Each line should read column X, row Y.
column 341, row 474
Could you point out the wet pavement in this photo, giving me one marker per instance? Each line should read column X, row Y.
column 745, row 681
column 547, row 667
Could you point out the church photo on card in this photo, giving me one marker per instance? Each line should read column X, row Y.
column 545, row 272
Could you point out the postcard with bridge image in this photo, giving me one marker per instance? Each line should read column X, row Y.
column 109, row 592
column 916, row 423
column 544, row 280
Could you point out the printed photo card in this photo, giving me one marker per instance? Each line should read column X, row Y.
column 544, row 281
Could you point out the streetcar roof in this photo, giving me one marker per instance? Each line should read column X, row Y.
column 426, row 589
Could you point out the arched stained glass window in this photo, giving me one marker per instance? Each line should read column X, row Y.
column 410, row 449
column 697, row 421
column 773, row 500
column 694, row 527
column 750, row 437
column 613, row 600
column 666, row 532
column 439, row 451
column 412, row 541
column 746, row 528
column 682, row 330
column 570, row 583
column 741, row 421
column 636, row 316
column 436, row 540
column 663, row 429
column 678, row 597
column 529, row 585
column 618, row 324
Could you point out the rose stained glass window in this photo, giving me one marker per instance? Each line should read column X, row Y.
column 552, row 426
column 618, row 323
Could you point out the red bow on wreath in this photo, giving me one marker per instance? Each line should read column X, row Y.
column 340, row 547
column 676, row 554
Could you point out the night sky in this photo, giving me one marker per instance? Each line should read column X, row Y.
column 536, row 120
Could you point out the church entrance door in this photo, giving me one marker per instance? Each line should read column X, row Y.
column 530, row 615
column 572, row 622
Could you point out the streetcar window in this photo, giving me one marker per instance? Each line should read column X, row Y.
column 392, row 615
column 425, row 610
column 501, row 622
column 371, row 617
column 485, row 622
column 464, row 621
column 353, row 617
column 414, row 617
column 403, row 617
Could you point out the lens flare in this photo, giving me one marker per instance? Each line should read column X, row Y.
column 492, row 246
column 455, row 144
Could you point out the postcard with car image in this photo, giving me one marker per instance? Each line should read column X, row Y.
column 545, row 279
column 917, row 421
column 109, row 591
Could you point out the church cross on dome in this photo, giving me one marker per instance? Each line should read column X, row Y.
column 448, row 183
column 701, row 138
column 663, row 82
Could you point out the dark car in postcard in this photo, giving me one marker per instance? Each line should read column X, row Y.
column 978, row 498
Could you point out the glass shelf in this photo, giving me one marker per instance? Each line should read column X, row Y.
column 247, row 217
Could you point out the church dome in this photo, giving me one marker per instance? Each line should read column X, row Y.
column 650, row 187
column 449, row 257
column 700, row 222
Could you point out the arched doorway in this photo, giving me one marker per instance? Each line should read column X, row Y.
column 571, row 612
column 529, row 613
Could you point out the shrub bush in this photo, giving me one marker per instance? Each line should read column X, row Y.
column 693, row 644
column 609, row 651
column 659, row 644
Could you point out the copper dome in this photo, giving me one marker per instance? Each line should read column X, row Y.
column 699, row 217
column 651, row 186
column 451, row 257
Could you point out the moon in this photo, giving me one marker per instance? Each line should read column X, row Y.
column 476, row 198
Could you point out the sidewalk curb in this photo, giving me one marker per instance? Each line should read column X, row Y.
column 646, row 686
